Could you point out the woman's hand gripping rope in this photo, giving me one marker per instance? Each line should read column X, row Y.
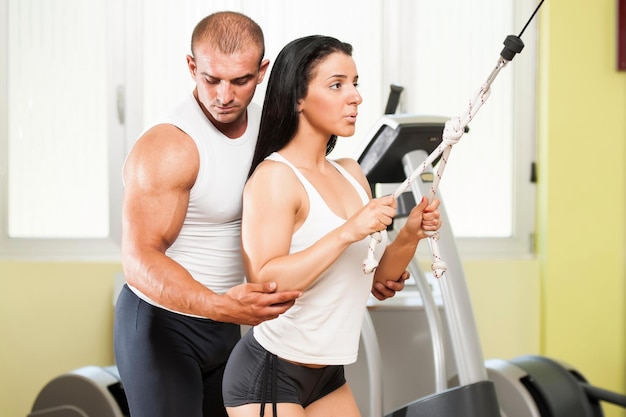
column 452, row 133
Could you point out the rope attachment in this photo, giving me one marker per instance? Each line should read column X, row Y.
column 453, row 131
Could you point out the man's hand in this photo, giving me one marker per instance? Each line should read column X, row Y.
column 389, row 288
column 252, row 304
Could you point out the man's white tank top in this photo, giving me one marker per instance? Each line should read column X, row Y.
column 324, row 325
column 208, row 245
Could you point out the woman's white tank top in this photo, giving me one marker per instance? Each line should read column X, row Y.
column 324, row 325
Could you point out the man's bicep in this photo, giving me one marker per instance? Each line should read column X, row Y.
column 156, row 192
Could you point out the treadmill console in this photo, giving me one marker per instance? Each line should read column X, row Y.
column 393, row 137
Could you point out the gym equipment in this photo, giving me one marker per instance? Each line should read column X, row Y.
column 528, row 386
column 400, row 143
column 452, row 133
column 536, row 386
column 536, row 389
column 476, row 393
column 90, row 391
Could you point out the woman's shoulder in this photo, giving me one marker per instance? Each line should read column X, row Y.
column 275, row 183
column 271, row 167
column 272, row 174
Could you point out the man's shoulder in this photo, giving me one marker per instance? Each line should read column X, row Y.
column 166, row 138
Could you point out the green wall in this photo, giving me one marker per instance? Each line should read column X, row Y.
column 54, row 317
column 568, row 302
column 582, row 190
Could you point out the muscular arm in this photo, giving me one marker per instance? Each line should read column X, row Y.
column 158, row 176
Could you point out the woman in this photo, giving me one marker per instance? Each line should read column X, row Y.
column 306, row 225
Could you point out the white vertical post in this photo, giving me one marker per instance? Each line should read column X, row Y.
column 374, row 365
column 456, row 298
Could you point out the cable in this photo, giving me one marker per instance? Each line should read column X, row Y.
column 531, row 18
column 452, row 133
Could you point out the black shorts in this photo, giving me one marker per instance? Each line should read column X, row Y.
column 254, row 375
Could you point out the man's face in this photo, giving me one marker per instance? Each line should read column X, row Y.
column 225, row 84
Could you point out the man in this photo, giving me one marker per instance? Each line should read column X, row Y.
column 178, row 317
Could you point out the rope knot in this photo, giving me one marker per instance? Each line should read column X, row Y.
column 439, row 268
column 452, row 131
column 369, row 266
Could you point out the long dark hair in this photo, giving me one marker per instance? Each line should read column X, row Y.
column 288, row 83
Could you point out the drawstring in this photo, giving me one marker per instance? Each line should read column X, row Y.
column 274, row 384
column 269, row 365
column 264, row 383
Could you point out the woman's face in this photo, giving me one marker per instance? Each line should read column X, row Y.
column 330, row 106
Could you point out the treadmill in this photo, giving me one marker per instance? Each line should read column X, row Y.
column 526, row 386
column 399, row 145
